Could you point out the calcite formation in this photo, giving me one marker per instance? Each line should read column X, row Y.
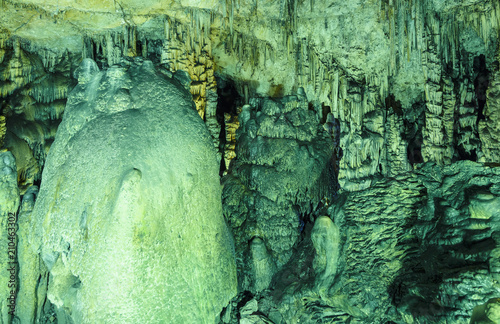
column 34, row 100
column 282, row 172
column 357, row 143
column 231, row 124
column 3, row 130
column 32, row 303
column 418, row 248
column 489, row 128
column 326, row 240
column 9, row 203
column 129, row 218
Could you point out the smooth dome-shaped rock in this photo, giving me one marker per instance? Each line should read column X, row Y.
column 129, row 219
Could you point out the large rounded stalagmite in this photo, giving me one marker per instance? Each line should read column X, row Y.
column 129, row 218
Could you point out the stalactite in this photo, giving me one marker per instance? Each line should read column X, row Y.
column 335, row 95
column 467, row 141
column 21, row 68
column 51, row 88
column 3, row 130
column 231, row 124
column 489, row 127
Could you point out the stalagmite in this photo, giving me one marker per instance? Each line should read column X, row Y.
column 166, row 194
column 262, row 265
column 326, row 240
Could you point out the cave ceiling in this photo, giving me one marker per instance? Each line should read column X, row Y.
column 288, row 43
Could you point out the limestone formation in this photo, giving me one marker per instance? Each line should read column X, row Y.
column 34, row 100
column 3, row 130
column 488, row 313
column 231, row 124
column 250, row 315
column 357, row 143
column 9, row 203
column 263, row 267
column 129, row 219
column 326, row 240
column 489, row 128
column 281, row 173
column 403, row 240
column 33, row 275
column 188, row 48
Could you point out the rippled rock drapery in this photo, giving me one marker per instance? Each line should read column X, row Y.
column 418, row 248
column 489, row 128
column 284, row 169
column 129, row 215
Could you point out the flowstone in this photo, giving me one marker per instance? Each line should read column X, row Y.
column 129, row 211
column 284, row 168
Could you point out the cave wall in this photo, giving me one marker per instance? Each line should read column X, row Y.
column 382, row 115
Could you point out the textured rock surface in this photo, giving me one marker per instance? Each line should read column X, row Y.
column 283, row 170
column 388, row 98
column 489, row 129
column 418, row 248
column 32, row 304
column 9, row 203
column 3, row 130
column 34, row 100
column 129, row 212
column 326, row 241
column 403, row 78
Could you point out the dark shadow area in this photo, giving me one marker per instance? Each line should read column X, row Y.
column 481, row 83
column 464, row 155
column 395, row 105
column 413, row 125
column 324, row 113
column 298, row 273
column 228, row 100
column 245, row 296
column 332, row 126
column 438, row 264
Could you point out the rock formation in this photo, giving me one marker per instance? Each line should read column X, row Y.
column 282, row 172
column 129, row 222
column 9, row 198
column 326, row 240
column 357, row 143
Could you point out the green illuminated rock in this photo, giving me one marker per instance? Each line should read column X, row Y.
column 129, row 210
column 9, row 203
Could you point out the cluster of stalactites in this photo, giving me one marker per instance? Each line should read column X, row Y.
column 188, row 48
column 183, row 46
column 114, row 45
column 17, row 68
column 33, row 89
column 413, row 24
